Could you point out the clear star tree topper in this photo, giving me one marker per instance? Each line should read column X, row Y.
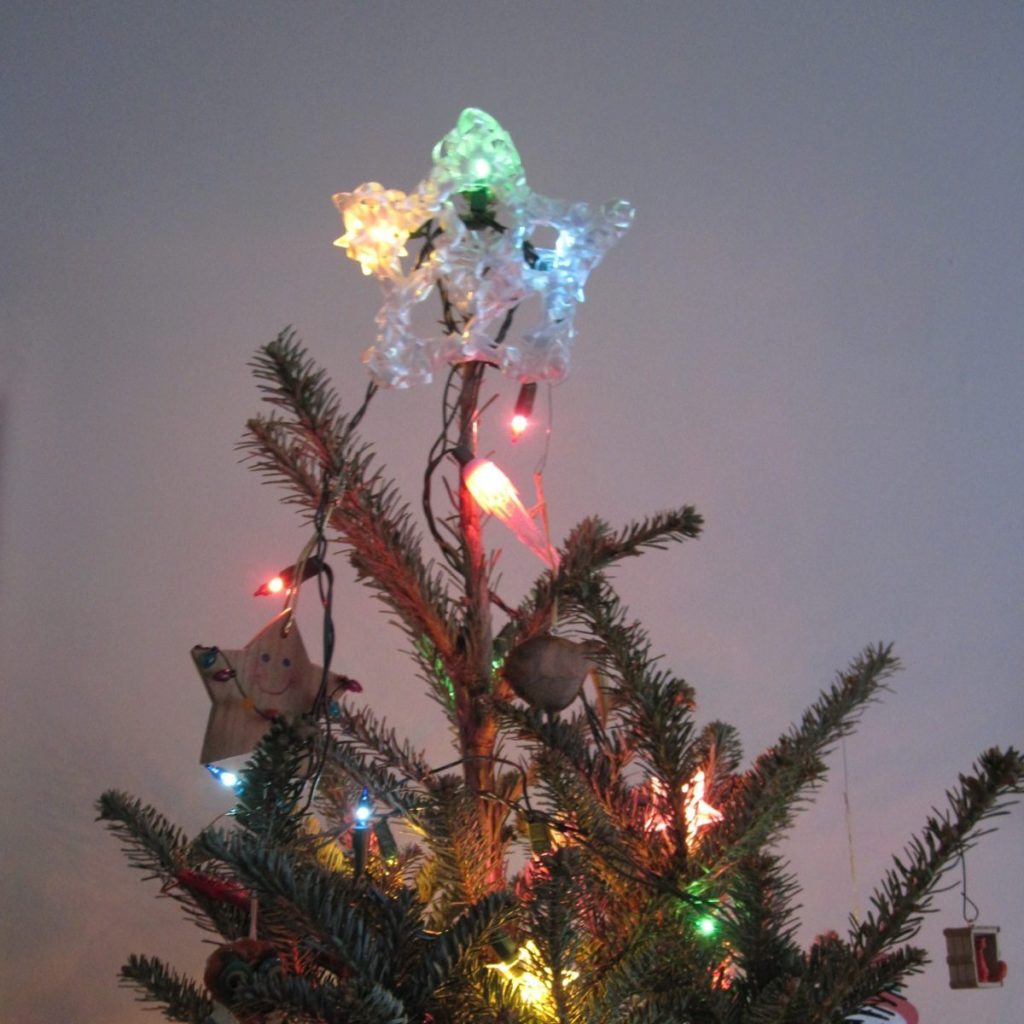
column 475, row 219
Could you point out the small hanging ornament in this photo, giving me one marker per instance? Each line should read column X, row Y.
column 548, row 671
column 272, row 675
column 221, row 890
column 233, row 967
column 972, row 952
column 972, row 955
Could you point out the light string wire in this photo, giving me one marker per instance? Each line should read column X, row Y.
column 965, row 899
column 325, row 589
column 617, row 863
column 848, row 815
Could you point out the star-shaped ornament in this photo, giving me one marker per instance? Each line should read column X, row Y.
column 477, row 220
column 271, row 676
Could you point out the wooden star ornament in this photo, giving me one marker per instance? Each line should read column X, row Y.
column 271, row 676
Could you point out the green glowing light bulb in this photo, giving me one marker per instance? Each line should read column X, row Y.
column 707, row 926
column 478, row 153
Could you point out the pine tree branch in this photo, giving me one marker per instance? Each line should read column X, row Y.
column 160, row 849
column 327, row 1002
column 592, row 547
column 370, row 735
column 273, row 782
column 443, row 953
column 585, row 795
column 757, row 920
column 323, row 905
column 316, row 444
column 654, row 707
column 150, row 842
column 907, row 891
column 458, row 874
column 763, row 801
column 395, row 966
column 386, row 786
column 156, row 983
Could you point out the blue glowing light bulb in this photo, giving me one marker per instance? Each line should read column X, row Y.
column 364, row 809
column 223, row 776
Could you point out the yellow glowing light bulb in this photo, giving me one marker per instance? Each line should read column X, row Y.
column 530, row 977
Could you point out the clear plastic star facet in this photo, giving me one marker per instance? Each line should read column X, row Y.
column 475, row 218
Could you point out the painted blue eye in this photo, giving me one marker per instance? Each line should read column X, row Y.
column 287, row 662
column 264, row 657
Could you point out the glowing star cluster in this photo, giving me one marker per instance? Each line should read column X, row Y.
column 698, row 812
column 477, row 218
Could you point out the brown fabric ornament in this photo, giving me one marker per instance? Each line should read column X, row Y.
column 232, row 967
column 548, row 672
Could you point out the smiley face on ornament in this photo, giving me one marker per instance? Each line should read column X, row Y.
column 272, row 675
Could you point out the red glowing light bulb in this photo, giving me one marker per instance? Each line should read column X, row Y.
column 285, row 579
column 523, row 410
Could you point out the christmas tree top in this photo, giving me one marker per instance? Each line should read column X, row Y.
column 588, row 856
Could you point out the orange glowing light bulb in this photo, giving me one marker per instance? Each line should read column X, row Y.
column 497, row 496
column 492, row 490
